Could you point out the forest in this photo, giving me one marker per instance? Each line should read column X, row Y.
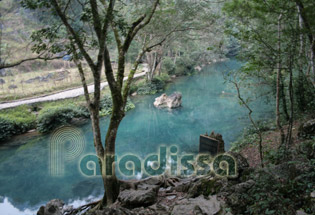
column 157, row 107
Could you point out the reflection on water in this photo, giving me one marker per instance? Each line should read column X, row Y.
column 208, row 104
column 7, row 208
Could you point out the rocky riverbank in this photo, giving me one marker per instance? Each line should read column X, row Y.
column 285, row 188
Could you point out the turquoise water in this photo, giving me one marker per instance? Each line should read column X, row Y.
column 208, row 104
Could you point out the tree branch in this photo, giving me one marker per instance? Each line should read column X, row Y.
column 251, row 119
column 96, row 19
column 74, row 34
column 10, row 65
column 135, row 67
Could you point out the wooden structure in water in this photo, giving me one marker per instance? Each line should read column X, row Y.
column 212, row 144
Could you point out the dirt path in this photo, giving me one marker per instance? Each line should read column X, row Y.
column 58, row 96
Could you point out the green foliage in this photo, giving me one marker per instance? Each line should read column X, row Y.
column 147, row 89
column 16, row 121
column 268, row 196
column 305, row 94
column 6, row 129
column 242, row 142
column 184, row 66
column 254, row 26
column 106, row 102
column 168, row 66
column 245, row 140
column 307, row 148
column 273, row 156
column 157, row 84
column 282, row 187
column 106, row 106
column 275, row 192
column 164, row 77
column 250, row 135
column 52, row 117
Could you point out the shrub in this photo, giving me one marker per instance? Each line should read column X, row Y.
column 168, row 66
column 16, row 121
column 147, row 89
column 106, row 102
column 106, row 105
column 137, row 85
column 6, row 129
column 274, row 194
column 156, row 85
column 133, row 88
column 164, row 77
column 53, row 117
column 184, row 66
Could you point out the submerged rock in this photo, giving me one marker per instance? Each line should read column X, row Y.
column 172, row 101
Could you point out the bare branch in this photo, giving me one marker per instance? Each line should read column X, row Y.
column 251, row 119
column 39, row 57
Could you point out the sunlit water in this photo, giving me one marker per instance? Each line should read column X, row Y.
column 25, row 180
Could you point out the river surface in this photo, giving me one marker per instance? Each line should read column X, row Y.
column 26, row 177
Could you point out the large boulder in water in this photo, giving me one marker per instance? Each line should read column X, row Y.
column 172, row 101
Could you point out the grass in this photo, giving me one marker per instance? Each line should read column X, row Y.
column 20, row 113
column 16, row 121
column 23, row 118
column 39, row 88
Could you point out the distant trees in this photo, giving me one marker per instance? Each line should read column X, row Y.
column 189, row 28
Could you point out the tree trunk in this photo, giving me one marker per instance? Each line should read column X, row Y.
column 310, row 35
column 278, row 83
column 110, row 181
column 283, row 97
column 154, row 59
column 300, row 85
column 289, row 135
